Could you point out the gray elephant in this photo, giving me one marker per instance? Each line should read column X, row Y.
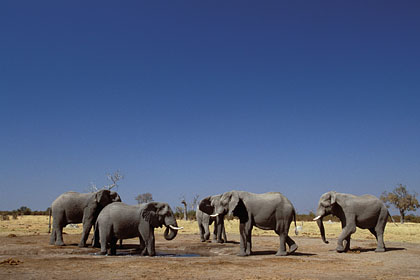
column 366, row 211
column 73, row 207
column 268, row 211
column 204, row 220
column 122, row 221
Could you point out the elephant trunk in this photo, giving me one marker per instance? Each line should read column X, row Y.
column 320, row 214
column 322, row 230
column 170, row 233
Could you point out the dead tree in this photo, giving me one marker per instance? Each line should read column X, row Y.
column 185, row 209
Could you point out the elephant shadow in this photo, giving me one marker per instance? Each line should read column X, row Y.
column 358, row 250
column 270, row 252
column 232, row 242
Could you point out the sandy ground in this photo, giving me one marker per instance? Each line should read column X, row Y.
column 185, row 257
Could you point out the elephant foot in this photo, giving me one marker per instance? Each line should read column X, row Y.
column 293, row 248
column 59, row 243
column 220, row 241
column 380, row 250
column 340, row 250
column 82, row 245
column 102, row 253
column 281, row 253
column 242, row 254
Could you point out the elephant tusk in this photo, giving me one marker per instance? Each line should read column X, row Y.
column 214, row 215
column 175, row 228
column 317, row 218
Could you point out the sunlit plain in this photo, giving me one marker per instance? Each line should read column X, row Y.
column 408, row 232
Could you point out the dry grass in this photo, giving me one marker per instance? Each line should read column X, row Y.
column 408, row 232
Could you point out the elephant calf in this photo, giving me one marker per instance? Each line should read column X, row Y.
column 74, row 207
column 366, row 211
column 122, row 221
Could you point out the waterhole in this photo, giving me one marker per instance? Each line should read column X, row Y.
column 134, row 253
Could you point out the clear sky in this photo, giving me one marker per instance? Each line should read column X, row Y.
column 202, row 97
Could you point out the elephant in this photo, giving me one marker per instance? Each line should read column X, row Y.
column 204, row 220
column 268, row 211
column 121, row 221
column 74, row 207
column 366, row 212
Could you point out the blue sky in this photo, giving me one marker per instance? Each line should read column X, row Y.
column 198, row 97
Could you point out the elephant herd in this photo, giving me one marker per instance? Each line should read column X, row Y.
column 113, row 220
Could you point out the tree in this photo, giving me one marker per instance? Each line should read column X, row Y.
column 144, row 198
column 24, row 210
column 185, row 209
column 114, row 178
column 401, row 199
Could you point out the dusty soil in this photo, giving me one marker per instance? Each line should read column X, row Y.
column 185, row 257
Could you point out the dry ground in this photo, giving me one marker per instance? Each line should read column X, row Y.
column 25, row 254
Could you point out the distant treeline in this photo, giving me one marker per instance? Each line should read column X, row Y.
column 191, row 215
column 24, row 211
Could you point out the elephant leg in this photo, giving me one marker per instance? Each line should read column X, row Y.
column 104, row 237
column 224, row 233
column 113, row 246
column 58, row 234
column 292, row 244
column 346, row 244
column 204, row 231
column 249, row 242
column 348, row 230
column 85, row 234
column 201, row 229
column 53, row 237
column 244, row 231
column 218, row 228
column 379, row 234
column 142, row 247
column 148, row 235
column 215, row 235
column 282, row 249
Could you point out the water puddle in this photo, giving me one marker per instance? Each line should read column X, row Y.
column 133, row 253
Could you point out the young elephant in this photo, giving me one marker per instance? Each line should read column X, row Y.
column 122, row 221
column 366, row 212
column 204, row 221
column 73, row 208
column 265, row 211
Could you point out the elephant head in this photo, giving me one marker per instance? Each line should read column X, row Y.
column 326, row 204
column 158, row 214
column 101, row 199
column 207, row 204
column 230, row 203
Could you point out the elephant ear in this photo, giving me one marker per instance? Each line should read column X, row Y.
column 205, row 205
column 115, row 197
column 103, row 197
column 162, row 209
column 149, row 214
column 333, row 197
column 237, row 207
column 233, row 201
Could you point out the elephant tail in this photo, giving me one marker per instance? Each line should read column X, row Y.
column 294, row 219
column 392, row 219
column 49, row 220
